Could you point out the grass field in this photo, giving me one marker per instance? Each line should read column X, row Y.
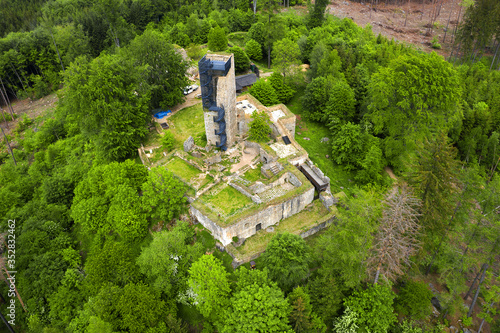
column 340, row 179
column 188, row 122
column 253, row 175
column 228, row 200
column 182, row 169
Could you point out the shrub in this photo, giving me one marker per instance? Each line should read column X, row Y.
column 259, row 127
column 264, row 92
column 414, row 300
column 253, row 49
column 435, row 44
column 235, row 239
column 168, row 141
column 195, row 52
column 24, row 123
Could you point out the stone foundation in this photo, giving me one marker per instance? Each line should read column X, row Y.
column 266, row 217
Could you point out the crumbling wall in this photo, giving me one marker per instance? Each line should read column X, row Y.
column 270, row 215
column 246, row 227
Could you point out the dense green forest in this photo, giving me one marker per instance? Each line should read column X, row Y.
column 78, row 208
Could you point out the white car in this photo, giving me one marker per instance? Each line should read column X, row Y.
column 190, row 89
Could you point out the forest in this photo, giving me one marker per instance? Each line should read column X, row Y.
column 92, row 241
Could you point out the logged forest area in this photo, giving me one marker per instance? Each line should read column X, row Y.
column 396, row 102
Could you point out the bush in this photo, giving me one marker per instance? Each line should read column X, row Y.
column 24, row 123
column 40, row 87
column 414, row 300
column 253, row 49
column 168, row 141
column 435, row 44
column 195, row 52
column 374, row 308
column 235, row 239
column 241, row 61
column 264, row 92
column 259, row 127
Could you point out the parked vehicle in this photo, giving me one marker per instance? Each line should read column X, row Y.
column 190, row 89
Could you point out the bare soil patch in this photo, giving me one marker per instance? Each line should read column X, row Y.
column 32, row 109
column 407, row 23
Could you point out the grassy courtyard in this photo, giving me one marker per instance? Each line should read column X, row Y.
column 188, row 122
column 228, row 201
column 253, row 175
column 182, row 169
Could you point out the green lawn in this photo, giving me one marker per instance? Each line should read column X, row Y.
column 317, row 150
column 253, row 175
column 228, row 200
column 182, row 169
column 188, row 122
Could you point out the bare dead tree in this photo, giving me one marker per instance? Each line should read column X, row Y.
column 8, row 146
column 448, row 23
column 471, row 308
column 6, row 98
column 396, row 240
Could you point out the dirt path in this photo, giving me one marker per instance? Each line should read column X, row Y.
column 389, row 20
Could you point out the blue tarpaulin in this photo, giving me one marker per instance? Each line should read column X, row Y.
column 162, row 114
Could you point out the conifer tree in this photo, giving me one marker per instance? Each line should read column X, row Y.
column 434, row 175
column 253, row 49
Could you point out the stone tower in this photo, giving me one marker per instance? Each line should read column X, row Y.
column 218, row 93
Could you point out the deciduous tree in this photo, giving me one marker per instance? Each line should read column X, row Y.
column 256, row 307
column 287, row 260
column 414, row 97
column 167, row 259
column 163, row 195
column 217, row 40
column 106, row 100
column 374, row 308
column 209, row 281
column 166, row 73
column 285, row 54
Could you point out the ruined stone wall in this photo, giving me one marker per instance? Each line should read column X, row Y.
column 266, row 217
column 217, row 231
column 289, row 124
column 270, row 215
column 319, row 227
column 237, row 261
